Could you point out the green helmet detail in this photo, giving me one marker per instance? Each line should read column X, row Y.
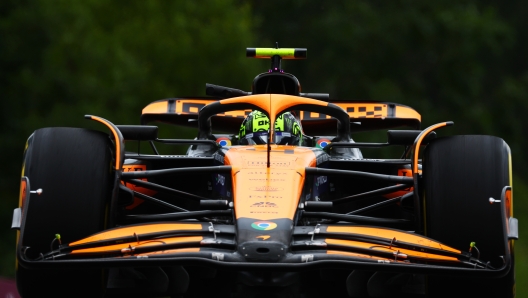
column 260, row 122
column 255, row 128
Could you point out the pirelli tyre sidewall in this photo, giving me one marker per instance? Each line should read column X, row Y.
column 460, row 174
column 72, row 166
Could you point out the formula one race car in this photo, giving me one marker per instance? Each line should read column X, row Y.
column 272, row 199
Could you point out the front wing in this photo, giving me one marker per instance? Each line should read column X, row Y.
column 320, row 246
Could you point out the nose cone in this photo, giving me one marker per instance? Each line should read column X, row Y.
column 263, row 241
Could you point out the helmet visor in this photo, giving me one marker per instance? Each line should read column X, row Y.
column 257, row 138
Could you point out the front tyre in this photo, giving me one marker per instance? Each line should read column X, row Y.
column 460, row 174
column 73, row 168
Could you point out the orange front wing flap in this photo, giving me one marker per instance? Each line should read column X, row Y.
column 144, row 238
column 387, row 252
column 384, row 242
column 395, row 236
column 177, row 251
column 132, row 248
column 361, row 256
column 138, row 230
column 398, row 253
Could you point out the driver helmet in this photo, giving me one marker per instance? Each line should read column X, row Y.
column 255, row 128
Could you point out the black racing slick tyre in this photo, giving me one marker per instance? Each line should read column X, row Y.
column 72, row 166
column 460, row 175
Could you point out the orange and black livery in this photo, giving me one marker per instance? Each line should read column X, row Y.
column 272, row 196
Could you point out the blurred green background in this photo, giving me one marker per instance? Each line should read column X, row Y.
column 457, row 60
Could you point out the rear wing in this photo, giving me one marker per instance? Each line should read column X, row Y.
column 365, row 115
